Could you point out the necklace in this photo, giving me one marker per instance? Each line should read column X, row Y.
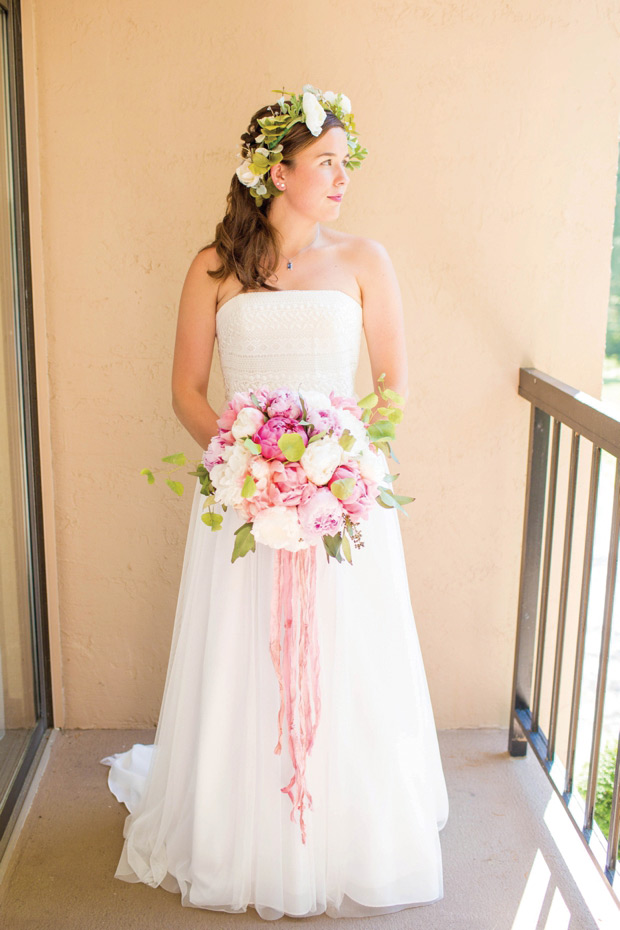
column 289, row 261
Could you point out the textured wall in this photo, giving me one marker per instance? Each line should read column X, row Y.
column 492, row 130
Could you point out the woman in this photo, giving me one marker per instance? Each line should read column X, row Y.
column 287, row 298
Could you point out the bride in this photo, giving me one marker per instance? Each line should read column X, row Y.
column 286, row 297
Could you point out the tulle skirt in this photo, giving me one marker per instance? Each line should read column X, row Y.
column 208, row 817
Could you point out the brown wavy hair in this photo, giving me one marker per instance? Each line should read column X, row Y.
column 245, row 241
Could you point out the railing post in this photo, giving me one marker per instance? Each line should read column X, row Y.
column 538, row 451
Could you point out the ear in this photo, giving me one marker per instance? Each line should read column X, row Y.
column 277, row 175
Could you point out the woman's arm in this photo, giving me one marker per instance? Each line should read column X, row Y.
column 193, row 350
column 383, row 317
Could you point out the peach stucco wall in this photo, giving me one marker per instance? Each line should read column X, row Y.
column 493, row 137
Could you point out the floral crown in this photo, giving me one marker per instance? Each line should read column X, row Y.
column 309, row 107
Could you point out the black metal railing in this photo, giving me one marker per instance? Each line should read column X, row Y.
column 590, row 419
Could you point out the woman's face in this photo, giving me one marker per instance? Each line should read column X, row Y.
column 317, row 181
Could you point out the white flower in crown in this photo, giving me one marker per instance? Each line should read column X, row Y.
column 345, row 103
column 313, row 112
column 246, row 176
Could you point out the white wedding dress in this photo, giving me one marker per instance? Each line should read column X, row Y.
column 208, row 817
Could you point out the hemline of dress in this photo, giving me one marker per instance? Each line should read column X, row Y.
column 348, row 908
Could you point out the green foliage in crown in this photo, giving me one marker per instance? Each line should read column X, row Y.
column 310, row 107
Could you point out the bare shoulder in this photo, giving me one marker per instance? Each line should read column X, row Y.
column 374, row 271
column 200, row 286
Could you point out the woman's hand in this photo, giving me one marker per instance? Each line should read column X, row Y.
column 193, row 350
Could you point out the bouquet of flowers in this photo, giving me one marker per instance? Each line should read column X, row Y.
column 299, row 467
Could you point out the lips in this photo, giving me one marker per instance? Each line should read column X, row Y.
column 337, row 197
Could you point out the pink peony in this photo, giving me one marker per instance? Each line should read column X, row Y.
column 269, row 433
column 283, row 403
column 239, row 400
column 362, row 499
column 212, row 455
column 321, row 514
column 346, row 403
column 325, row 420
column 291, row 483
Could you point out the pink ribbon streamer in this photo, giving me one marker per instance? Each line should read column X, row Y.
column 297, row 664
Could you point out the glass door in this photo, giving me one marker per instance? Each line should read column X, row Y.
column 24, row 678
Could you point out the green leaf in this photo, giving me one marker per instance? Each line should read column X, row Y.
column 249, row 487
column 369, row 401
column 255, row 400
column 244, row 542
column 214, row 520
column 251, row 445
column 176, row 486
column 292, row 445
column 342, row 488
column 387, row 506
column 209, row 499
column 316, row 436
column 150, row 477
column 178, row 459
column 403, row 499
column 332, row 546
column 347, row 440
column 390, row 499
column 346, row 549
column 393, row 414
column 392, row 395
column 381, row 429
column 366, row 415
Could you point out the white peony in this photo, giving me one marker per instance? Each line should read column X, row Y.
column 372, row 466
column 321, row 458
column 246, row 176
column 345, row 103
column 357, row 429
column 279, row 528
column 314, row 113
column 316, row 399
column 249, row 419
column 228, row 477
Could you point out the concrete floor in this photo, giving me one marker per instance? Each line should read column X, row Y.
column 508, row 864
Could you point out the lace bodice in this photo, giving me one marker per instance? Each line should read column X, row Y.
column 291, row 338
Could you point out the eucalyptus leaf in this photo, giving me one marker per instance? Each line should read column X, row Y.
column 244, row 542
column 176, row 486
column 369, row 401
column 342, row 488
column 395, row 415
column 251, row 445
column 388, row 498
column 347, row 440
column 397, row 398
column 249, row 487
column 214, row 520
column 346, row 549
column 178, row 459
column 381, row 429
column 150, row 477
column 292, row 445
